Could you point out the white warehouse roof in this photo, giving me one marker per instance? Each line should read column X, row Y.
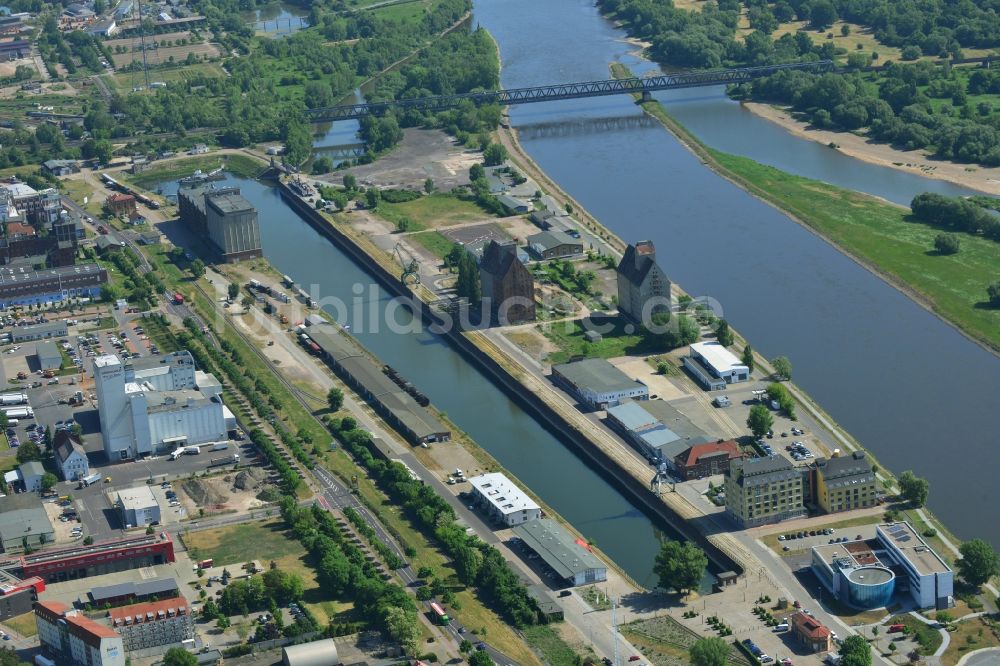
column 139, row 497
column 499, row 491
column 718, row 357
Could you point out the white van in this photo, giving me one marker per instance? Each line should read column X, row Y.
column 781, row 627
column 722, row 401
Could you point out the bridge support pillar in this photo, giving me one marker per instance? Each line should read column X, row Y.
column 647, row 96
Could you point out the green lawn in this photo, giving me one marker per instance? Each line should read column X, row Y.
column 435, row 243
column 123, row 81
column 240, row 165
column 236, row 544
column 546, row 640
column 568, row 336
column 433, row 211
column 883, row 235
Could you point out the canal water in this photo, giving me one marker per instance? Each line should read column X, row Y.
column 578, row 493
column 277, row 19
column 909, row 387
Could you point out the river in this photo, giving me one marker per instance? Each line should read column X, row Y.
column 907, row 385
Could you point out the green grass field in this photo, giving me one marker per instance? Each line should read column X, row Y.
column 433, row 211
column 123, row 81
column 883, row 236
column 436, row 243
column 568, row 336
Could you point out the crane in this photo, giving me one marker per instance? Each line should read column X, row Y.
column 409, row 264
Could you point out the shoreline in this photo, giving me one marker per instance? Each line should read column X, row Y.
column 915, row 162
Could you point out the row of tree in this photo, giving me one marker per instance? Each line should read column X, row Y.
column 955, row 214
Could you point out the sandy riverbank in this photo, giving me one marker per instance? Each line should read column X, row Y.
column 913, row 161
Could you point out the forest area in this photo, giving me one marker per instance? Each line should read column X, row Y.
column 912, row 104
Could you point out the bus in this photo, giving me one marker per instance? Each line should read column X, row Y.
column 439, row 614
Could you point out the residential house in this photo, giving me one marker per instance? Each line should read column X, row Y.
column 71, row 458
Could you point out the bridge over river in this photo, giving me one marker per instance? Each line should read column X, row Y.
column 548, row 93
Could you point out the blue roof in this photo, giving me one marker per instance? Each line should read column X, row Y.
column 631, row 415
column 660, row 437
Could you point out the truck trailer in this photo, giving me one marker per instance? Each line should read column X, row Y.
column 220, row 446
column 90, row 479
column 233, row 459
column 13, row 399
column 19, row 412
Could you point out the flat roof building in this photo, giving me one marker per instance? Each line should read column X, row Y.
column 854, row 574
column 155, row 589
column 715, row 366
column 570, row 558
column 932, row 582
column 138, row 506
column 597, row 383
column 23, row 286
column 502, row 500
column 48, row 355
column 641, row 425
column 23, row 521
column 52, row 329
column 224, row 216
column 153, row 624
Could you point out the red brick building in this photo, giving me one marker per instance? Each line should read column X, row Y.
column 708, row 459
column 121, row 204
column 810, row 632
column 507, row 285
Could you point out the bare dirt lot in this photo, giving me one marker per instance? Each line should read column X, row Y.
column 221, row 493
column 8, row 67
column 421, row 154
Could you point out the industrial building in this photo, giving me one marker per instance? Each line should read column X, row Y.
column 388, row 398
column 70, row 637
column 502, row 500
column 225, row 217
column 597, row 383
column 155, row 404
column 52, row 329
column 47, row 355
column 158, row 623
column 23, row 523
column 138, row 506
column 70, row 456
column 763, row 490
column 643, row 288
column 317, row 653
column 507, row 286
column 714, row 366
column 569, row 557
column 57, row 565
column 554, row 245
column 845, row 482
column 643, row 425
column 155, row 589
column 23, row 286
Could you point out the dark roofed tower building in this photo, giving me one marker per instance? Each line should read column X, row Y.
column 225, row 216
column 640, row 280
column 507, row 284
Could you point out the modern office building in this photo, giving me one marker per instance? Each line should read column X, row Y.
column 845, row 482
column 153, row 624
column 569, row 557
column 502, row 500
column 154, row 405
column 931, row 580
column 225, row 217
column 763, row 490
column 714, row 366
column 80, row 561
column 71, row 638
column 597, row 383
column 138, row 506
column 643, row 288
column 854, row 574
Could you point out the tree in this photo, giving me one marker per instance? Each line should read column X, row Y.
column 103, row 151
column 87, row 540
column 49, row 480
column 465, row 647
column 246, row 302
column 723, row 333
column 350, row 182
column 429, row 185
column 712, row 651
column 979, row 562
column 747, row 357
column 403, row 224
column 680, row 565
column 372, row 197
column 913, row 488
column 335, row 398
column 28, row 451
column 782, row 367
column 855, row 651
column 197, row 268
column 494, row 155
column 946, row 243
column 233, row 290
column 179, row 657
column 468, row 285
column 760, row 420
column 322, row 165
column 402, row 628
column 823, row 14
column 477, row 172
column 480, row 658
column 993, row 291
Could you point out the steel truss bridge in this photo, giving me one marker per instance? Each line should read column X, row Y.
column 643, row 86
